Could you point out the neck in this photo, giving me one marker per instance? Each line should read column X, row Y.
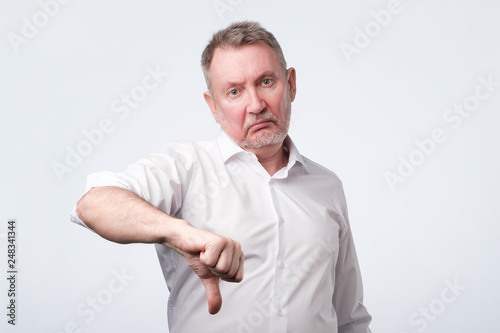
column 272, row 157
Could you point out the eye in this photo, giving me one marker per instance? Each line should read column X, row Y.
column 266, row 82
column 233, row 92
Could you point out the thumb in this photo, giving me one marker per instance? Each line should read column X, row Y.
column 214, row 297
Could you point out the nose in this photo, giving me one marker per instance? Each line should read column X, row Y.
column 256, row 103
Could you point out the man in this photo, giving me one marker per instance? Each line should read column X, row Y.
column 244, row 207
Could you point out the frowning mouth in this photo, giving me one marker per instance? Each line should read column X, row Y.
column 260, row 124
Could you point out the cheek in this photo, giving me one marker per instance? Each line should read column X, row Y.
column 231, row 116
column 280, row 103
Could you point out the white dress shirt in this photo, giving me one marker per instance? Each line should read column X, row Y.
column 301, row 272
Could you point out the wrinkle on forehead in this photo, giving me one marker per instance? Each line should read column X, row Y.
column 242, row 65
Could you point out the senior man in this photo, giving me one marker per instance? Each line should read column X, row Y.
column 244, row 207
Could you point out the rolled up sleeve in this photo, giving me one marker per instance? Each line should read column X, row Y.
column 161, row 179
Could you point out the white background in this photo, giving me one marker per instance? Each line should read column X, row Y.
column 356, row 113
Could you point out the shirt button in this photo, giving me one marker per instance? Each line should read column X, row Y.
column 282, row 220
column 282, row 265
column 280, row 313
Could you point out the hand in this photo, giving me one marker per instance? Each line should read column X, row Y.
column 212, row 257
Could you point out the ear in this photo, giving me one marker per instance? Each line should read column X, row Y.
column 290, row 76
column 212, row 104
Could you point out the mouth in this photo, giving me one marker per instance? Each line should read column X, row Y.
column 260, row 124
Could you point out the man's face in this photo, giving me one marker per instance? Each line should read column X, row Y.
column 251, row 95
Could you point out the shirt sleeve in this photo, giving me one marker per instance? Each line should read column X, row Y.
column 161, row 179
column 347, row 300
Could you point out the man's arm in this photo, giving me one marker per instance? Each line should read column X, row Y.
column 348, row 295
column 123, row 217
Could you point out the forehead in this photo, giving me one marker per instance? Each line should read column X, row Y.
column 243, row 63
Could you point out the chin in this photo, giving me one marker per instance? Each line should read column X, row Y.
column 262, row 140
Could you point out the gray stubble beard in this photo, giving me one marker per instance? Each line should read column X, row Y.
column 268, row 138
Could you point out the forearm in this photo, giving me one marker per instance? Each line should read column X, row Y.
column 123, row 217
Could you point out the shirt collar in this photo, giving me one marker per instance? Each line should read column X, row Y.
column 229, row 148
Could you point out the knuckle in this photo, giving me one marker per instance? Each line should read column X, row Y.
column 225, row 269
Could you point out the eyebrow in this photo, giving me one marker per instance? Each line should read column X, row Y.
column 268, row 73
column 259, row 78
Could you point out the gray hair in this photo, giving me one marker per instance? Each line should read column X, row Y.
column 237, row 35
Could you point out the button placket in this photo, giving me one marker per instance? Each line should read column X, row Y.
column 279, row 318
